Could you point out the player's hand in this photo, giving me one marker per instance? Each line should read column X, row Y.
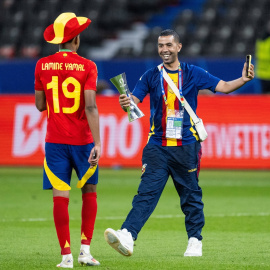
column 251, row 73
column 94, row 156
column 124, row 102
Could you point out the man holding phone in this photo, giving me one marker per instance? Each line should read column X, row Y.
column 173, row 147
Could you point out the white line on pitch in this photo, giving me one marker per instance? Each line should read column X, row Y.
column 155, row 216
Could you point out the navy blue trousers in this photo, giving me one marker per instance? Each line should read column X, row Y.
column 182, row 163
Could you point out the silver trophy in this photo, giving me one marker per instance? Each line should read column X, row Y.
column 120, row 82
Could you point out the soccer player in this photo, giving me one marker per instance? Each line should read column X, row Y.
column 173, row 147
column 65, row 86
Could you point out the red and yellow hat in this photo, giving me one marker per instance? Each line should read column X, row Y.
column 65, row 27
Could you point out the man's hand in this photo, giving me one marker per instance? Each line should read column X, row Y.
column 124, row 102
column 94, row 156
column 251, row 73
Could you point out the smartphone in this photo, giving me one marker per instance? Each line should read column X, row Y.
column 94, row 155
column 248, row 62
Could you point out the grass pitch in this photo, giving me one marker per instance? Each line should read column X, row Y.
column 236, row 233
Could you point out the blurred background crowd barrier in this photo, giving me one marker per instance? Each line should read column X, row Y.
column 216, row 35
column 17, row 76
column 129, row 28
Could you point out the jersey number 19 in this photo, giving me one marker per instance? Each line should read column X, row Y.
column 75, row 94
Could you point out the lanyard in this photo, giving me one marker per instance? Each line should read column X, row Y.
column 180, row 86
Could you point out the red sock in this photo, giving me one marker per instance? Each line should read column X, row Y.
column 89, row 212
column 61, row 221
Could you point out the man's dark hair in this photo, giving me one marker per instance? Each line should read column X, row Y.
column 170, row 32
column 62, row 45
column 69, row 41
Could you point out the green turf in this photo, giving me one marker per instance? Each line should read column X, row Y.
column 236, row 233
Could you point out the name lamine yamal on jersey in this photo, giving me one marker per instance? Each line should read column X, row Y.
column 62, row 66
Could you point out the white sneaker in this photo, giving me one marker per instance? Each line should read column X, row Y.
column 87, row 259
column 194, row 247
column 67, row 261
column 120, row 240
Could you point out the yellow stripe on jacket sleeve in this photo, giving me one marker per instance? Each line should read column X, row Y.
column 86, row 176
column 56, row 182
column 151, row 132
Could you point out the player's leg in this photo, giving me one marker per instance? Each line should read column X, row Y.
column 80, row 155
column 57, row 174
column 185, row 176
column 61, row 221
column 89, row 212
column 153, row 180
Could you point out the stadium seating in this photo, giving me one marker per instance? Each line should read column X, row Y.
column 218, row 28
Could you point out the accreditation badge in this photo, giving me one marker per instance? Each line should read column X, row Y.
column 174, row 125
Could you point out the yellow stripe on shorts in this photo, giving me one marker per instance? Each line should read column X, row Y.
column 56, row 182
column 86, row 176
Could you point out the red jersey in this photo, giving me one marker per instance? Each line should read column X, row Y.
column 64, row 76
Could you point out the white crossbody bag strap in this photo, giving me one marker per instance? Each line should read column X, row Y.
column 197, row 121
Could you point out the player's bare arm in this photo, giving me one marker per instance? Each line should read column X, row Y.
column 92, row 115
column 228, row 87
column 124, row 101
column 40, row 100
